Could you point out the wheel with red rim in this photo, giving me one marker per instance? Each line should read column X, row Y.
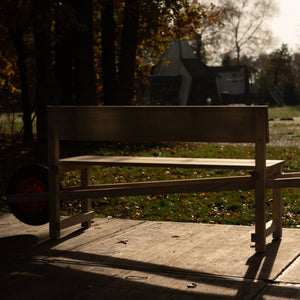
column 30, row 179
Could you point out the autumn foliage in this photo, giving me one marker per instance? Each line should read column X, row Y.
column 87, row 52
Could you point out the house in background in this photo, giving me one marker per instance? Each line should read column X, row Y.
column 236, row 84
column 181, row 78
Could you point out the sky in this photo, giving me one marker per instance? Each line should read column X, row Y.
column 286, row 26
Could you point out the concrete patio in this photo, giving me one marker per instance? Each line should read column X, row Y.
column 127, row 259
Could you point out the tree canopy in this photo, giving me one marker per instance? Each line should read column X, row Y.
column 245, row 29
column 87, row 52
column 277, row 72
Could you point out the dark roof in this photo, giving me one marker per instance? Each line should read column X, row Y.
column 197, row 68
column 236, row 68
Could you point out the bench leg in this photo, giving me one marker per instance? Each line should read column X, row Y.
column 260, row 219
column 86, row 204
column 54, row 182
column 277, row 213
column 260, row 234
column 54, row 230
column 54, row 209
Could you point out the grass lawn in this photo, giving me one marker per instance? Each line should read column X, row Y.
column 284, row 123
column 223, row 208
column 12, row 123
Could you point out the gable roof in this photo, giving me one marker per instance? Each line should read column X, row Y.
column 236, row 68
column 197, row 68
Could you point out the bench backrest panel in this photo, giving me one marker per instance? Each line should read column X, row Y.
column 159, row 123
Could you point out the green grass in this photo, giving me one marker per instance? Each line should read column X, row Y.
column 284, row 112
column 284, row 123
column 222, row 208
column 12, row 123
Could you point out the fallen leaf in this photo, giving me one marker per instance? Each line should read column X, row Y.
column 123, row 242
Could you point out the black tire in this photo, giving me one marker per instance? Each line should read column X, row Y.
column 30, row 179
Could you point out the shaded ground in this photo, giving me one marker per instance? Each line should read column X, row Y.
column 127, row 259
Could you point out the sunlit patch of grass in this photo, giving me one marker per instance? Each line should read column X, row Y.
column 283, row 112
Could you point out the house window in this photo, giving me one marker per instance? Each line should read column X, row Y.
column 235, row 77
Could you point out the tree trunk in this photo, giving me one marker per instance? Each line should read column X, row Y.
column 74, row 58
column 63, row 60
column 17, row 38
column 44, row 77
column 108, row 51
column 63, row 73
column 84, row 73
column 238, row 53
column 125, row 88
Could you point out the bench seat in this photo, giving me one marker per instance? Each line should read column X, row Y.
column 181, row 162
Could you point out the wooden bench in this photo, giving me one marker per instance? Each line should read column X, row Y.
column 209, row 124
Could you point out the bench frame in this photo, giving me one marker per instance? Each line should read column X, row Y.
column 144, row 124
